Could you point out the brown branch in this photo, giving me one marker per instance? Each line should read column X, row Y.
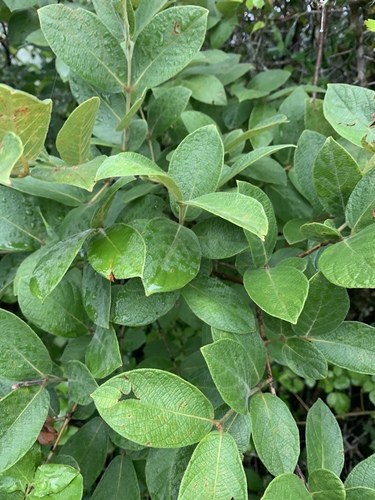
column 320, row 50
column 312, row 249
column 67, row 419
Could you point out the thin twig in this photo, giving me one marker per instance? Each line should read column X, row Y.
column 67, row 419
column 268, row 362
column 162, row 334
column 312, row 249
column 319, row 56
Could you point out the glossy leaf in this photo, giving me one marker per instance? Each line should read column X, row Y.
column 237, row 208
column 22, row 415
column 81, row 382
column 118, row 478
column 166, row 109
column 173, row 256
column 360, row 206
column 229, row 366
column 73, row 139
column 325, row 308
column 350, row 346
column 275, row 433
column 214, row 471
column 325, row 484
column 351, row 263
column 167, row 44
column 280, row 291
column 324, row 445
column 218, row 305
column 57, row 481
column 23, row 356
column 160, row 470
column 168, row 412
column 96, row 296
column 363, row 474
column 83, row 42
column 54, row 264
column 286, row 486
column 104, row 340
column 304, row 359
column 117, row 252
column 131, row 307
column 11, row 150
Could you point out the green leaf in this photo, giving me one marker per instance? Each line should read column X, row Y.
column 286, row 486
column 196, row 167
column 275, row 433
column 125, row 164
column 131, row 307
column 324, row 445
column 229, row 365
column 167, row 44
column 58, row 482
column 320, row 232
column 165, row 110
column 22, row 415
column 193, row 120
column 82, row 176
column 360, row 493
column 23, row 356
column 125, row 122
column 118, row 478
column 173, row 256
column 161, row 465
column 237, row 208
column 117, row 252
column 248, row 159
column 54, row 264
column 218, row 305
column 164, row 412
column 82, row 41
column 292, row 231
column 270, row 80
column 280, row 291
column 104, row 340
column 146, row 11
column 21, row 227
column 88, row 447
column 261, row 111
column 25, row 116
column 335, row 175
column 350, row 111
column 351, row 263
column 81, row 382
column 363, row 474
column 304, row 359
column 325, row 308
column 219, row 239
column 106, row 11
column 214, row 471
column 11, row 150
column 350, row 346
column 21, row 474
column 325, row 484
column 207, row 89
column 96, row 296
column 360, row 206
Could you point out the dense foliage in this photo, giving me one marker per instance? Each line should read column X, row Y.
column 178, row 232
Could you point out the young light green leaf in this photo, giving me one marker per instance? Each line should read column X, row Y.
column 275, row 433
column 325, row 484
column 125, row 122
column 286, row 486
column 196, row 167
column 304, row 359
column 54, row 264
column 131, row 307
column 118, row 478
column 57, row 481
column 207, row 89
column 335, row 175
column 363, row 474
column 324, row 445
column 280, row 291
column 218, row 305
column 229, row 365
column 350, row 110
column 320, row 232
column 22, row 415
column 166, row 109
column 11, row 150
column 351, row 263
column 23, row 356
column 360, row 206
column 73, row 139
column 325, row 308
column 173, row 256
column 27, row 117
column 80, row 381
column 125, row 164
column 167, row 411
column 88, row 447
column 117, row 252
column 350, row 346
column 96, row 296
column 214, row 471
column 261, row 111
column 237, row 208
column 104, row 340
column 194, row 120
column 82, row 176
column 174, row 36
column 82, row 41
